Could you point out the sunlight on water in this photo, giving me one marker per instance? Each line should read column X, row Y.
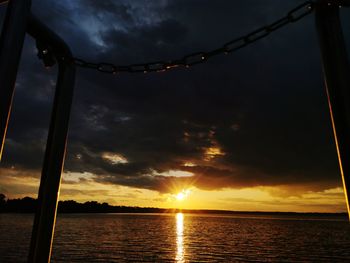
column 180, row 253
column 182, row 238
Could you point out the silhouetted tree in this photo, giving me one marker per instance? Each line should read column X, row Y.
column 24, row 205
column 2, row 202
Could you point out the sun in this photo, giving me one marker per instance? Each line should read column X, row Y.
column 183, row 195
column 180, row 196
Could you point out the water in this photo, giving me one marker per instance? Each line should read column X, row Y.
column 181, row 238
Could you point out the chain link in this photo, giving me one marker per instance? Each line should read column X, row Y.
column 292, row 16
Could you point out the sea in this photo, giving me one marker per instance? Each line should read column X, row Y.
column 183, row 238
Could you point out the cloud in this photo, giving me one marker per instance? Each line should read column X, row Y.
column 255, row 118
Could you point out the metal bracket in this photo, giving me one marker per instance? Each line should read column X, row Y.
column 45, row 54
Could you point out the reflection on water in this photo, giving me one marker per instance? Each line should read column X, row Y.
column 119, row 238
column 180, row 238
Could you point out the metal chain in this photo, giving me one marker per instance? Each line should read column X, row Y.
column 292, row 16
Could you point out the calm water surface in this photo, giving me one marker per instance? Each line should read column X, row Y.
column 181, row 238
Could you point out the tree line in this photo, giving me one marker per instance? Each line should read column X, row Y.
column 29, row 205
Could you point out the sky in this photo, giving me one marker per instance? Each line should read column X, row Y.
column 247, row 131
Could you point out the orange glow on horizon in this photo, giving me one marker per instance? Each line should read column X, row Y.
column 83, row 187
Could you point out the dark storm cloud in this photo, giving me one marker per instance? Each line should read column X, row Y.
column 264, row 106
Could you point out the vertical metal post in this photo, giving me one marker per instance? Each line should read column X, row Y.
column 337, row 79
column 11, row 44
column 45, row 218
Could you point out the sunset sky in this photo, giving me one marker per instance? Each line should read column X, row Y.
column 248, row 131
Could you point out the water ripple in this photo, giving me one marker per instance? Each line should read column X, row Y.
column 180, row 238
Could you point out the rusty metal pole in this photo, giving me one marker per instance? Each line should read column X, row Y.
column 337, row 80
column 11, row 44
column 45, row 218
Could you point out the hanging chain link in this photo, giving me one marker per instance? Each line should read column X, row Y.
column 292, row 16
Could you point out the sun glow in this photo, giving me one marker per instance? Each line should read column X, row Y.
column 183, row 195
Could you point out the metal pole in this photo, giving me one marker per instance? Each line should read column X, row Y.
column 44, row 222
column 337, row 80
column 11, row 43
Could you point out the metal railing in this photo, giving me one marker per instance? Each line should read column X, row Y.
column 44, row 222
column 18, row 21
column 11, row 43
column 336, row 70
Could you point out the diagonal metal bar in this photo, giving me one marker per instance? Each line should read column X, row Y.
column 44, row 222
column 11, row 44
column 337, row 80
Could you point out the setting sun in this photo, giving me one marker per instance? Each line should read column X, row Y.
column 183, row 195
